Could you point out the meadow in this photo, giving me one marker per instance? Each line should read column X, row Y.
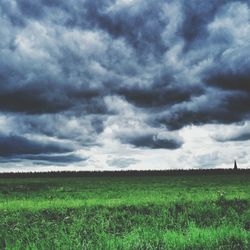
column 126, row 212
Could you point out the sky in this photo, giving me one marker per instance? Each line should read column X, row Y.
column 124, row 84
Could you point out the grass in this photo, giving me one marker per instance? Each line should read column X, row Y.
column 162, row 212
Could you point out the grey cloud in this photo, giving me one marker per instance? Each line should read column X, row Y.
column 209, row 160
column 13, row 145
column 122, row 162
column 31, row 8
column 233, row 133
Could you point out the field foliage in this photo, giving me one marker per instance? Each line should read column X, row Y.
column 147, row 212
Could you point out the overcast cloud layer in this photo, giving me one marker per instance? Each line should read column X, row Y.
column 125, row 84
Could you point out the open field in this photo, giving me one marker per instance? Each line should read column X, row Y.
column 125, row 212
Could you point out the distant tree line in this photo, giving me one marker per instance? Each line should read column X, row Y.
column 175, row 172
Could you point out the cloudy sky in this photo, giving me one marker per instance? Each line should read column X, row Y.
column 124, row 84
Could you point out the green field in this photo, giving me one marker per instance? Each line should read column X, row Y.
column 147, row 212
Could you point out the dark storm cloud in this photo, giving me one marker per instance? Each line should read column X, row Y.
column 56, row 158
column 213, row 108
column 235, row 65
column 244, row 136
column 13, row 145
column 41, row 69
column 33, row 100
column 221, row 108
column 231, row 80
column 225, row 79
column 161, row 93
column 41, row 98
column 72, row 127
column 197, row 15
column 174, row 63
column 153, row 141
column 43, row 159
column 150, row 142
column 141, row 26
